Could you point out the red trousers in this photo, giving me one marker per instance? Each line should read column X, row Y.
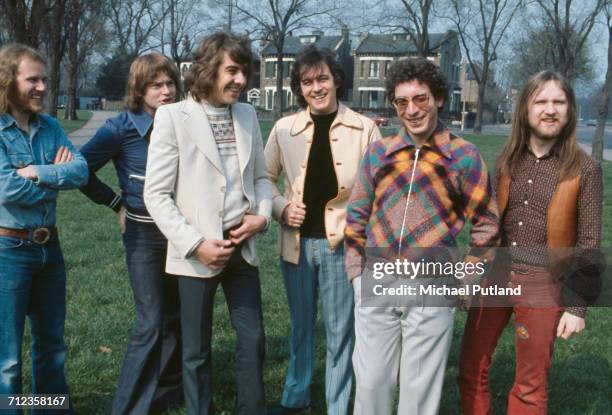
column 535, row 333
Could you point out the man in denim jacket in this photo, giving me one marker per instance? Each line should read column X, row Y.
column 36, row 160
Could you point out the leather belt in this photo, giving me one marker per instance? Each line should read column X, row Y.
column 39, row 235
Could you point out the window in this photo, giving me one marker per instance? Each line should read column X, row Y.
column 387, row 66
column 373, row 69
column 362, row 69
column 270, row 69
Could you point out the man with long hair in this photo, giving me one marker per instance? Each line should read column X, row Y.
column 208, row 192
column 549, row 194
column 36, row 161
column 318, row 149
column 417, row 188
column 151, row 373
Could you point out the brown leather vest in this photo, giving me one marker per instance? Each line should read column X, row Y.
column 561, row 218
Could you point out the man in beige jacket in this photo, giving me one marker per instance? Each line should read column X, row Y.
column 319, row 150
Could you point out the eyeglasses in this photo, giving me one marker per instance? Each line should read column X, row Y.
column 419, row 101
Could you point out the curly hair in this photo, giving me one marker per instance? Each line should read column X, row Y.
column 200, row 78
column 143, row 71
column 421, row 70
column 10, row 58
column 312, row 57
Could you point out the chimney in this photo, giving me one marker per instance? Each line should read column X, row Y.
column 344, row 31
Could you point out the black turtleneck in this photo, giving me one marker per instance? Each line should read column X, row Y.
column 321, row 184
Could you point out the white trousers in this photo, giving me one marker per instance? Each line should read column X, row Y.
column 411, row 341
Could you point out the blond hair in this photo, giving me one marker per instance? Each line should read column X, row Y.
column 11, row 56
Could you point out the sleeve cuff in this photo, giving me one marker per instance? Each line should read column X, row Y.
column 46, row 175
column 193, row 248
column 116, row 203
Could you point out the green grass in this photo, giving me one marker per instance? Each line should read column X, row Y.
column 70, row 126
column 100, row 314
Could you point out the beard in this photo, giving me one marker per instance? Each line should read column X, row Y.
column 24, row 102
column 546, row 134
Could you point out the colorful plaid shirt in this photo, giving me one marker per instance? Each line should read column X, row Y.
column 450, row 185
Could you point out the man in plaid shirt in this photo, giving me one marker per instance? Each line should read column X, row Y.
column 415, row 189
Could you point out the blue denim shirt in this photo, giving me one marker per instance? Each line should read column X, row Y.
column 124, row 139
column 28, row 204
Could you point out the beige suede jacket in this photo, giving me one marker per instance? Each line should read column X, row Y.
column 287, row 151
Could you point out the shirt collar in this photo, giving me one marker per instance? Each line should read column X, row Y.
column 7, row 121
column 344, row 116
column 439, row 141
column 142, row 121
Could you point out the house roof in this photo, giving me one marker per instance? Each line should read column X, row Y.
column 293, row 45
column 398, row 43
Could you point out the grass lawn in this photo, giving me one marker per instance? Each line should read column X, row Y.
column 70, row 126
column 100, row 315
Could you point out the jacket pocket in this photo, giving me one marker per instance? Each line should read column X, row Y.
column 20, row 160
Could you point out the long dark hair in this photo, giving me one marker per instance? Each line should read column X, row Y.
column 565, row 148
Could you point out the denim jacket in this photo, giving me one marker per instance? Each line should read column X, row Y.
column 28, row 204
column 124, row 140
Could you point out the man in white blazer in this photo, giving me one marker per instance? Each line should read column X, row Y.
column 208, row 192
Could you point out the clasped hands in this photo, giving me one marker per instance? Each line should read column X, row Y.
column 215, row 253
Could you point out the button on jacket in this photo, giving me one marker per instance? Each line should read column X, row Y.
column 28, row 204
column 287, row 150
column 124, row 140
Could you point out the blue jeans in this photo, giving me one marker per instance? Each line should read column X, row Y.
column 151, row 375
column 33, row 284
column 319, row 271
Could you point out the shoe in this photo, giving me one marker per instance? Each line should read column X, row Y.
column 283, row 410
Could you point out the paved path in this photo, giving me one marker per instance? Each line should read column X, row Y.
column 83, row 134
column 607, row 153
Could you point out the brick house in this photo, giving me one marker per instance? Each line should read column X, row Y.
column 374, row 54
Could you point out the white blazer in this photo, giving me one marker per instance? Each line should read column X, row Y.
column 185, row 184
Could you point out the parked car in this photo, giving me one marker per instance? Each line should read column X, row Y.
column 379, row 119
column 591, row 123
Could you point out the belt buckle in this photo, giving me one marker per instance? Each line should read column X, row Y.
column 41, row 235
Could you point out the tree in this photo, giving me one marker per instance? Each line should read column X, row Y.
column 410, row 16
column 536, row 51
column 274, row 23
column 53, row 29
column 481, row 28
column 134, row 23
column 24, row 19
column 84, row 31
column 604, row 100
column 112, row 79
column 181, row 22
column 571, row 25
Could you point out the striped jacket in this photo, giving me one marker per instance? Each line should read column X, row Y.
column 425, row 195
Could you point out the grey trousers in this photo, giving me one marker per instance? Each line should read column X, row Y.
column 411, row 341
